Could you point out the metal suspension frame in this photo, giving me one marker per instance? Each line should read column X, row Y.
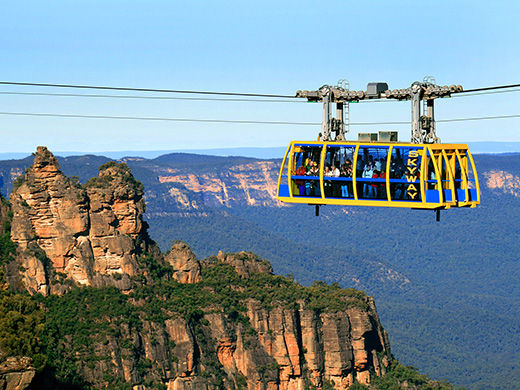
column 423, row 122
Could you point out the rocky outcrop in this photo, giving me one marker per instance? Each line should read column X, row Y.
column 16, row 373
column 186, row 267
column 245, row 263
column 83, row 233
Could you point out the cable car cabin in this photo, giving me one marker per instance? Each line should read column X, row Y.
column 393, row 174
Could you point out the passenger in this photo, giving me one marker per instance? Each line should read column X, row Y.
column 301, row 171
column 381, row 189
column 374, row 185
column 336, row 188
column 350, row 172
column 313, row 185
column 377, row 165
column 367, row 174
column 399, row 188
column 327, row 184
column 359, row 166
column 346, row 171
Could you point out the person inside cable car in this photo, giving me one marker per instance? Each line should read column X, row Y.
column 367, row 174
column 381, row 189
column 350, row 172
column 377, row 164
column 346, row 187
column 313, row 187
column 336, row 188
column 300, row 171
column 373, row 190
column 327, row 184
column 400, row 188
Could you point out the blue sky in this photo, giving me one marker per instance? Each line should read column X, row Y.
column 269, row 47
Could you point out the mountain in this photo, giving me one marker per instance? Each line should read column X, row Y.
column 447, row 291
column 108, row 309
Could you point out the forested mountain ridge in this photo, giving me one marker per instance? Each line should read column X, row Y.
column 448, row 291
column 107, row 309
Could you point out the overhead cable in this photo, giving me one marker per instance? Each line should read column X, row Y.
column 159, row 119
column 467, row 91
column 149, row 97
column 491, row 88
column 145, row 89
column 241, row 121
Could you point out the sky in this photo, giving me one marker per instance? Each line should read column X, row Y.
column 263, row 47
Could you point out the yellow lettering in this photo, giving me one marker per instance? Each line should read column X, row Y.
column 413, row 153
column 411, row 187
column 412, row 162
column 411, row 179
column 411, row 170
column 412, row 194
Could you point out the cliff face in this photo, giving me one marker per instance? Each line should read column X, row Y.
column 261, row 346
column 251, row 184
column 85, row 234
column 502, row 180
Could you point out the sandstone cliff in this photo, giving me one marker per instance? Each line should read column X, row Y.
column 239, row 327
column 84, row 234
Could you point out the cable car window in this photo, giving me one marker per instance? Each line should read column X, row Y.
column 338, row 170
column 305, row 170
column 371, row 172
column 405, row 175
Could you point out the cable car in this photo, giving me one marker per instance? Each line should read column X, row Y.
column 376, row 170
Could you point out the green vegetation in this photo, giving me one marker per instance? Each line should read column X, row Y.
column 21, row 327
column 123, row 173
column 7, row 247
column 406, row 377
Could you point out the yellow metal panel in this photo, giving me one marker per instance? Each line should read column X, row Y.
column 354, row 172
column 438, row 176
column 451, row 176
column 464, row 178
column 371, row 203
column 388, row 160
column 476, row 177
column 281, row 170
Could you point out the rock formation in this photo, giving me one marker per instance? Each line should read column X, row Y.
column 186, row 267
column 16, row 373
column 85, row 234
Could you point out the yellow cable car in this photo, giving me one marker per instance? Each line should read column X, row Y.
column 385, row 174
column 423, row 174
